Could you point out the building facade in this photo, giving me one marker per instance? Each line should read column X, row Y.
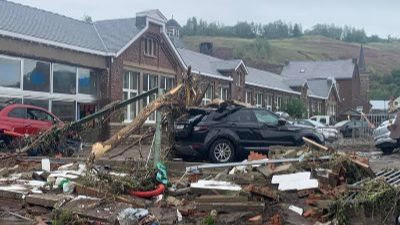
column 72, row 67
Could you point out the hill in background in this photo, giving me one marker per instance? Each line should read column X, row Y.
column 381, row 58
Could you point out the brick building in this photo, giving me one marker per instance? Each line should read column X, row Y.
column 72, row 67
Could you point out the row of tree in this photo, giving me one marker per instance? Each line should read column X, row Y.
column 385, row 87
column 276, row 30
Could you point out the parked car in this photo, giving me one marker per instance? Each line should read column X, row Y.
column 354, row 127
column 18, row 120
column 327, row 120
column 340, row 124
column 382, row 139
column 330, row 133
column 225, row 135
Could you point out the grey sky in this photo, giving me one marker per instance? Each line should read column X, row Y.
column 377, row 17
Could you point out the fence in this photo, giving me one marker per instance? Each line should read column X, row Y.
column 378, row 118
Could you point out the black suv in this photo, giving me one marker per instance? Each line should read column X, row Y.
column 225, row 135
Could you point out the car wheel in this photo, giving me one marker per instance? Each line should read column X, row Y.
column 387, row 151
column 222, row 151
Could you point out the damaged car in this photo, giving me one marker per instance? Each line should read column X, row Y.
column 229, row 134
column 330, row 134
column 382, row 139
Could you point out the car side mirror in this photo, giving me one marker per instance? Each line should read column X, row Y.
column 282, row 122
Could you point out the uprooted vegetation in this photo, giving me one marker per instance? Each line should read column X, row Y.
column 376, row 200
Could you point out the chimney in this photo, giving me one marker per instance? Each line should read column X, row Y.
column 206, row 48
column 141, row 21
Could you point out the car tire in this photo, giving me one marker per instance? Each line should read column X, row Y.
column 222, row 151
column 387, row 151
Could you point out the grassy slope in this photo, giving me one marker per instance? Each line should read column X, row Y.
column 381, row 58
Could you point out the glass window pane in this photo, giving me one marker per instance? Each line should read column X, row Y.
column 163, row 82
column 64, row 79
column 63, row 110
column 39, row 103
column 133, row 107
column 36, row 75
column 86, row 81
column 126, row 80
column 9, row 101
column 10, row 73
column 145, row 82
column 266, row 117
column 35, row 114
column 18, row 113
column 153, row 81
column 125, row 97
column 134, row 81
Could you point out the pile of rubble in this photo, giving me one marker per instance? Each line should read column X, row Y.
column 307, row 185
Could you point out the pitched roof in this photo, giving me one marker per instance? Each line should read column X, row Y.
column 203, row 64
column 117, row 33
column 24, row 20
column 319, row 87
column 339, row 69
column 267, row 79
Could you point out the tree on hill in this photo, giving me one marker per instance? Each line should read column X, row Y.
column 297, row 30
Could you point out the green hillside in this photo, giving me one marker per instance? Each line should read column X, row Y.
column 381, row 58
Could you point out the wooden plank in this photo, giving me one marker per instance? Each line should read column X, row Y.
column 231, row 206
column 45, row 200
column 221, row 198
column 312, row 143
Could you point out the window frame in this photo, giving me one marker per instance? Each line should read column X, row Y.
column 152, row 117
column 131, row 92
column 249, row 94
column 21, row 72
column 222, row 90
column 259, row 104
column 150, row 47
column 208, row 99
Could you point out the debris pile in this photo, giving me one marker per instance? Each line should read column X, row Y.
column 312, row 184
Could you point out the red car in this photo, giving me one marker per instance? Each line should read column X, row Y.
column 18, row 120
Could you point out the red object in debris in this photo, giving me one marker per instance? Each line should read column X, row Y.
column 256, row 156
column 148, row 194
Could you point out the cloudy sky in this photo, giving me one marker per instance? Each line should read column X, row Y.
column 375, row 16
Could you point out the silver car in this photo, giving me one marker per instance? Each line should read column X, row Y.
column 382, row 138
column 330, row 134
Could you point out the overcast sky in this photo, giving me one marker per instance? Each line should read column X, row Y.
column 375, row 16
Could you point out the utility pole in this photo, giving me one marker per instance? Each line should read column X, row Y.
column 157, row 138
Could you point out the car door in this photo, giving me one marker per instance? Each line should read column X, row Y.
column 270, row 130
column 38, row 121
column 244, row 125
column 16, row 119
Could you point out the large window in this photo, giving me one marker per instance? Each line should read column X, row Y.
column 150, row 81
column 130, row 90
column 64, row 110
column 278, row 102
column 269, row 101
column 149, row 47
column 64, row 79
column 208, row 96
column 10, row 73
column 259, row 100
column 36, row 75
column 249, row 97
column 224, row 93
column 86, row 81
column 39, row 103
column 167, row 83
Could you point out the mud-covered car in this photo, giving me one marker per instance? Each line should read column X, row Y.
column 229, row 134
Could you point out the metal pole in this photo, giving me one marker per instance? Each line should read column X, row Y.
column 254, row 162
column 157, row 138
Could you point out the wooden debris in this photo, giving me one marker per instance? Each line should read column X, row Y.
column 264, row 191
column 221, row 198
column 231, row 206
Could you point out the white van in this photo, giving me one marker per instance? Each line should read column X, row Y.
column 327, row 120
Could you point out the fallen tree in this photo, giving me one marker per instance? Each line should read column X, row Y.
column 188, row 93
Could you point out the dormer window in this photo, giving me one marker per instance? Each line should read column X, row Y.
column 150, row 47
